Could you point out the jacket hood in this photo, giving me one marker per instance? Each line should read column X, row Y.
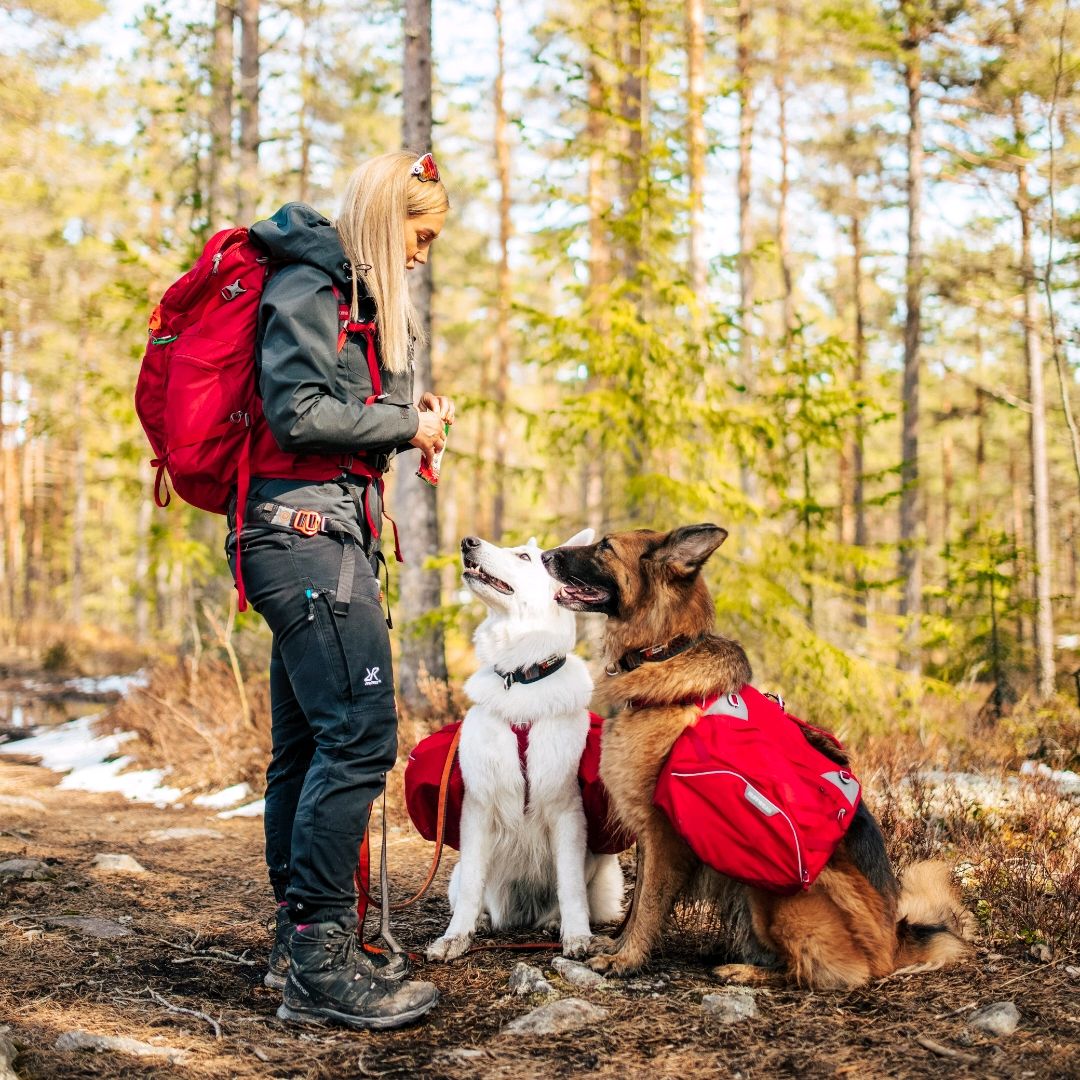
column 298, row 233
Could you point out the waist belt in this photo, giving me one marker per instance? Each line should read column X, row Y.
column 313, row 523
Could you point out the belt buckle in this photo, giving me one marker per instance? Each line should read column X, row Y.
column 307, row 522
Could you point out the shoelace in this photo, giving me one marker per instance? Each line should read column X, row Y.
column 344, row 953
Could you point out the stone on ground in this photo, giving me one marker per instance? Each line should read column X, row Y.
column 84, row 1040
column 999, row 1018
column 526, row 979
column 25, row 870
column 557, row 1017
column 124, row 864
column 88, row 925
column 577, row 974
column 730, row 1006
column 8, row 1053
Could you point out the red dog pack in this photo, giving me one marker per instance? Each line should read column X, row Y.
column 752, row 797
column 425, row 768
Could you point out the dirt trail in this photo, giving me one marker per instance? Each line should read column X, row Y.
column 203, row 895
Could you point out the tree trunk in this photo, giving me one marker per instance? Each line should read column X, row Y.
column 421, row 653
column 783, row 241
column 696, row 149
column 248, row 195
column 80, row 500
column 859, row 438
column 503, row 289
column 746, row 374
column 911, row 537
column 1040, row 473
column 221, row 113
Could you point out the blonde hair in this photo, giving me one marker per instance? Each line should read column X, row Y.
column 380, row 195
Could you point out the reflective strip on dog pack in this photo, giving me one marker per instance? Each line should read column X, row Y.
column 752, row 797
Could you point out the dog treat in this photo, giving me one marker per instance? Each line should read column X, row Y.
column 431, row 476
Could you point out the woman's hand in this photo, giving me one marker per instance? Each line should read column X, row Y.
column 429, row 435
column 434, row 403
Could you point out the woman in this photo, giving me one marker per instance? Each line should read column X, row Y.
column 335, row 322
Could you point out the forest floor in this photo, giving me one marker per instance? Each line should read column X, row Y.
column 187, row 975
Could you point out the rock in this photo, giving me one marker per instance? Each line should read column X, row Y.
column 84, row 1040
column 25, row 870
column 556, row 1018
column 124, row 864
column 462, row 1055
column 1041, row 952
column 8, row 1053
column 88, row 925
column 577, row 974
column 33, row 934
column 22, row 802
column 1072, row 972
column 731, row 1006
column 1000, row 1018
column 526, row 979
column 163, row 836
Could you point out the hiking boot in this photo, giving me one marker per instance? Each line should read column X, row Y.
column 281, row 953
column 331, row 981
column 388, row 967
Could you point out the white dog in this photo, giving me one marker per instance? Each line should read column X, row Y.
column 523, row 860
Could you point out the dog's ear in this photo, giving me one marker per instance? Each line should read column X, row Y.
column 685, row 550
column 580, row 539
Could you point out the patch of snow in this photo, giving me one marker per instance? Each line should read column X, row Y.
column 90, row 761
column 252, row 809
column 222, row 800
column 107, row 684
column 1067, row 780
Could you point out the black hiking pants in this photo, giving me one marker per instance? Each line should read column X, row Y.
column 334, row 721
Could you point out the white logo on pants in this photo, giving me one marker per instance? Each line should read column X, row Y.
column 372, row 677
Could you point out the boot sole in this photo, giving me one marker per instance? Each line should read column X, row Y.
column 322, row 1017
column 275, row 982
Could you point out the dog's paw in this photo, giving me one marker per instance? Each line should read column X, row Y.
column 602, row 945
column 743, row 974
column 445, row 949
column 616, row 964
column 576, row 946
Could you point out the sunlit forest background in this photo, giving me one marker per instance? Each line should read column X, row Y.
column 806, row 270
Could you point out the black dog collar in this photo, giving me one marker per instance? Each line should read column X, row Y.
column 632, row 660
column 532, row 673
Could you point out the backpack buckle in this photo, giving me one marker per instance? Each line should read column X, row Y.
column 307, row 522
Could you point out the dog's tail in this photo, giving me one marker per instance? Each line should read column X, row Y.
column 933, row 928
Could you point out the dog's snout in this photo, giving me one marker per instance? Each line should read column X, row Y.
column 470, row 542
column 548, row 557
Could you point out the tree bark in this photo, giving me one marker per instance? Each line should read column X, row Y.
column 859, row 437
column 248, row 195
column 783, row 241
column 503, row 289
column 221, row 113
column 696, row 149
column 911, row 538
column 421, row 653
column 745, row 264
column 1040, row 472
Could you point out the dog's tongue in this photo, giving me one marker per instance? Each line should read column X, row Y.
column 578, row 594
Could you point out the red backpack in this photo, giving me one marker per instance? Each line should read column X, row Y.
column 424, row 772
column 752, row 797
column 196, row 394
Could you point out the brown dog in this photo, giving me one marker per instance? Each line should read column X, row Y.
column 856, row 922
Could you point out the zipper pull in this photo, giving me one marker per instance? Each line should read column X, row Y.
column 216, row 262
column 310, row 594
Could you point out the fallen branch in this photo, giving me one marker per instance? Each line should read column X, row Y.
column 190, row 1012
column 945, row 1051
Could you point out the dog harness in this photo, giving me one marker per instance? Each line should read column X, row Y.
column 750, row 794
column 426, row 790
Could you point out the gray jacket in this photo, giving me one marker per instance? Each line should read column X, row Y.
column 312, row 395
